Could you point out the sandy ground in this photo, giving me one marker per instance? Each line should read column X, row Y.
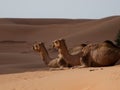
column 107, row 78
column 22, row 69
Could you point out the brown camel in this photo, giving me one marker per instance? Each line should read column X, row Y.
column 71, row 60
column 57, row 62
column 102, row 54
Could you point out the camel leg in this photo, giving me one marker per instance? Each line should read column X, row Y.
column 60, row 68
column 117, row 63
column 82, row 66
column 54, row 69
column 82, row 62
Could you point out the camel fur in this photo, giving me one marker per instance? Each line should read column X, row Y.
column 102, row 54
column 54, row 63
column 71, row 60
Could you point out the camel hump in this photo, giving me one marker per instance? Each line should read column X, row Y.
column 83, row 45
column 109, row 43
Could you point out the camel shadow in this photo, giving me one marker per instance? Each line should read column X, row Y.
column 12, row 69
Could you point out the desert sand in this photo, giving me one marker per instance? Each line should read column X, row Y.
column 22, row 69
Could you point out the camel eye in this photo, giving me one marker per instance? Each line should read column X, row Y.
column 37, row 46
column 56, row 42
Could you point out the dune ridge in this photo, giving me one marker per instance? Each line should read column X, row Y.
column 76, row 31
column 38, row 21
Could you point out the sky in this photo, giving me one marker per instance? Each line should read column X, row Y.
column 59, row 8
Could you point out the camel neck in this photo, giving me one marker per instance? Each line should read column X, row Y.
column 45, row 56
column 64, row 52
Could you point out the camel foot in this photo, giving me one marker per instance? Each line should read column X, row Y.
column 54, row 69
column 83, row 66
column 94, row 69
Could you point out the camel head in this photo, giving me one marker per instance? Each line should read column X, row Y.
column 108, row 43
column 38, row 46
column 58, row 43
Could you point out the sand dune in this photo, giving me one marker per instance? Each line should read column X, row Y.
column 22, row 69
column 41, row 31
column 29, row 21
column 106, row 30
column 78, row 32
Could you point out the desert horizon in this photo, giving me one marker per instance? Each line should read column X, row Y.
column 22, row 68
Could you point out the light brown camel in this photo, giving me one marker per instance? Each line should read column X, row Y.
column 71, row 60
column 57, row 62
column 102, row 54
column 76, row 49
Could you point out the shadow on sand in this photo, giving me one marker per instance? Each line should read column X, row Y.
column 20, row 68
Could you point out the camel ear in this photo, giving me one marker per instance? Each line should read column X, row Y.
column 55, row 41
column 35, row 42
column 61, row 39
column 40, row 43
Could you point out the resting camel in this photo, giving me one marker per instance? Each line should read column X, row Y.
column 57, row 62
column 102, row 54
column 71, row 60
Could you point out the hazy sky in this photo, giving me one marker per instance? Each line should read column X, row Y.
column 59, row 8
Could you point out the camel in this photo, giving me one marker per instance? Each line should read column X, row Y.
column 76, row 49
column 70, row 59
column 54, row 63
column 102, row 54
